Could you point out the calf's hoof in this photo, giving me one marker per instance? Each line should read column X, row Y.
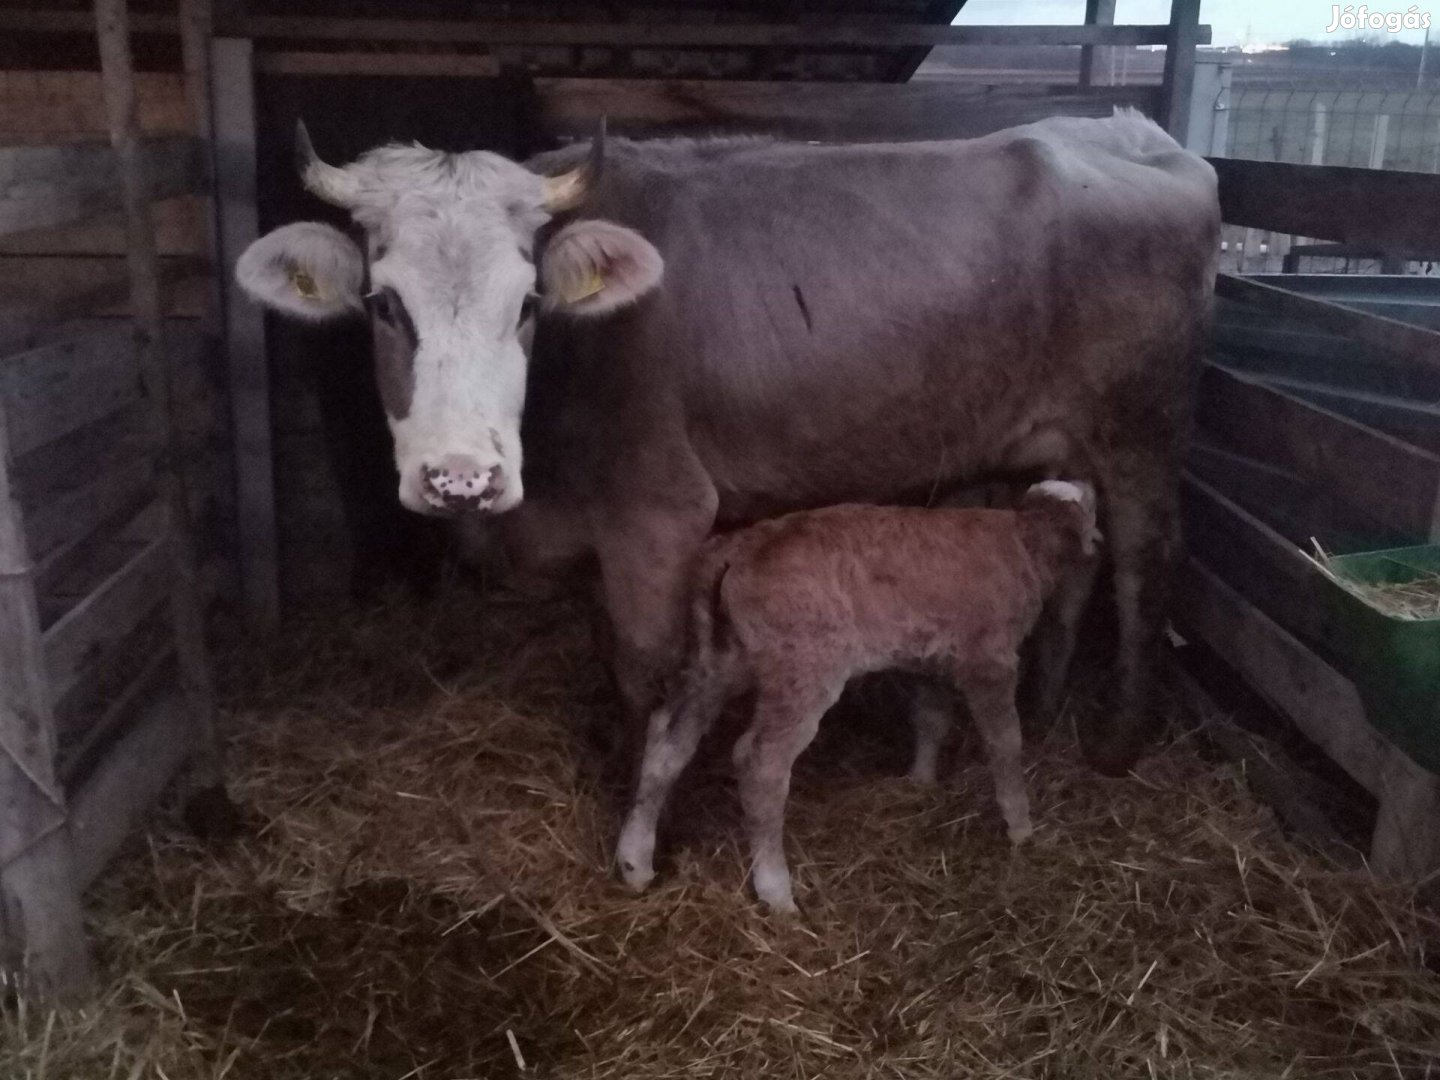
column 774, row 891
column 1020, row 833
column 635, row 861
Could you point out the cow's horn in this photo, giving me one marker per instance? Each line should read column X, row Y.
column 332, row 184
column 568, row 190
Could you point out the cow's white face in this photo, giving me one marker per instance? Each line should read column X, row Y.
column 452, row 294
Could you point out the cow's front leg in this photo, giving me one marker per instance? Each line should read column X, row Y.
column 645, row 566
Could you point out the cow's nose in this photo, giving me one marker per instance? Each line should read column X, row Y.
column 458, row 484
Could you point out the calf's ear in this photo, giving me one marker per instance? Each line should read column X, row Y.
column 309, row 270
column 594, row 267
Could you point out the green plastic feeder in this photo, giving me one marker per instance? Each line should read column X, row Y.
column 1394, row 662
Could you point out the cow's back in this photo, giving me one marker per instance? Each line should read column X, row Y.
column 849, row 322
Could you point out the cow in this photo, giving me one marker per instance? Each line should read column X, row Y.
column 794, row 607
column 619, row 347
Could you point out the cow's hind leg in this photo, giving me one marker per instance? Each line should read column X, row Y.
column 674, row 734
column 1142, row 526
column 991, row 697
column 787, row 716
column 1053, row 644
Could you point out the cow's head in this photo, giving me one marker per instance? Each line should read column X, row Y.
column 449, row 283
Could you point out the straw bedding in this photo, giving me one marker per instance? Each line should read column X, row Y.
column 423, row 893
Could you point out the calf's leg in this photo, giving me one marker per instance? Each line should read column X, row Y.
column 675, row 731
column 930, row 715
column 991, row 697
column 787, row 715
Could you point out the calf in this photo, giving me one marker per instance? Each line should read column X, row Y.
column 796, row 606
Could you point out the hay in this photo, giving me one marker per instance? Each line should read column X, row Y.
column 425, row 895
column 1417, row 599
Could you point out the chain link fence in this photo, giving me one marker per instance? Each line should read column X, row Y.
column 1365, row 127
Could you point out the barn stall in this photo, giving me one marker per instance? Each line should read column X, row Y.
column 421, row 887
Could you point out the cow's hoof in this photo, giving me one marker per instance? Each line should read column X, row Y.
column 1020, row 833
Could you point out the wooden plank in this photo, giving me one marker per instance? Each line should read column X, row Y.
column 125, row 482
column 1266, row 567
column 1322, row 703
column 42, row 187
column 1399, row 211
column 1411, row 343
column 1409, row 419
column 56, row 389
column 53, row 290
column 1395, row 483
column 109, row 613
column 829, row 34
column 184, row 591
column 937, row 13
column 42, row 940
column 1178, row 78
column 78, row 761
column 820, row 111
column 113, row 802
column 406, row 65
column 249, row 373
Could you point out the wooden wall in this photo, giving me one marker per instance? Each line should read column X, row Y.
column 73, row 280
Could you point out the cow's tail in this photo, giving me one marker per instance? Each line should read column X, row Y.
column 710, row 643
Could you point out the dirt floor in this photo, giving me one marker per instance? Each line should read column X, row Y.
column 424, row 893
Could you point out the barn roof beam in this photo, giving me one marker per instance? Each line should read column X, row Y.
column 835, row 35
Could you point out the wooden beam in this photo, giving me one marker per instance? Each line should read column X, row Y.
column 1409, row 342
column 43, row 187
column 78, row 760
column 75, row 526
column 1395, row 483
column 1323, row 704
column 57, row 389
column 817, row 111
column 116, row 606
column 1385, row 208
column 42, row 939
column 831, row 34
column 1326, row 707
column 404, row 65
column 233, row 81
column 1408, row 419
column 938, row 13
column 167, row 412
column 1097, row 13
column 113, row 802
column 1178, row 80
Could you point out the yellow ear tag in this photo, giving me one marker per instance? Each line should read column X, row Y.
column 304, row 284
column 591, row 285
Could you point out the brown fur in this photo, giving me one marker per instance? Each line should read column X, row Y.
column 797, row 606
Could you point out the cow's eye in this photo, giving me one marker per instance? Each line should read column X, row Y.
column 527, row 309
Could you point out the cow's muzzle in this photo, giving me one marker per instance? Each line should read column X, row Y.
column 457, row 484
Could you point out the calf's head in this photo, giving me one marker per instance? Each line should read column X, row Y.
column 448, row 279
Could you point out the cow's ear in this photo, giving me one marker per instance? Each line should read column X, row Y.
column 310, row 270
column 594, row 267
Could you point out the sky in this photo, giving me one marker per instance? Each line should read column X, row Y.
column 1263, row 20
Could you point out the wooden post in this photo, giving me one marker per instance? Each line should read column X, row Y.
column 232, row 78
column 117, row 74
column 1097, row 13
column 1178, row 83
column 42, row 940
